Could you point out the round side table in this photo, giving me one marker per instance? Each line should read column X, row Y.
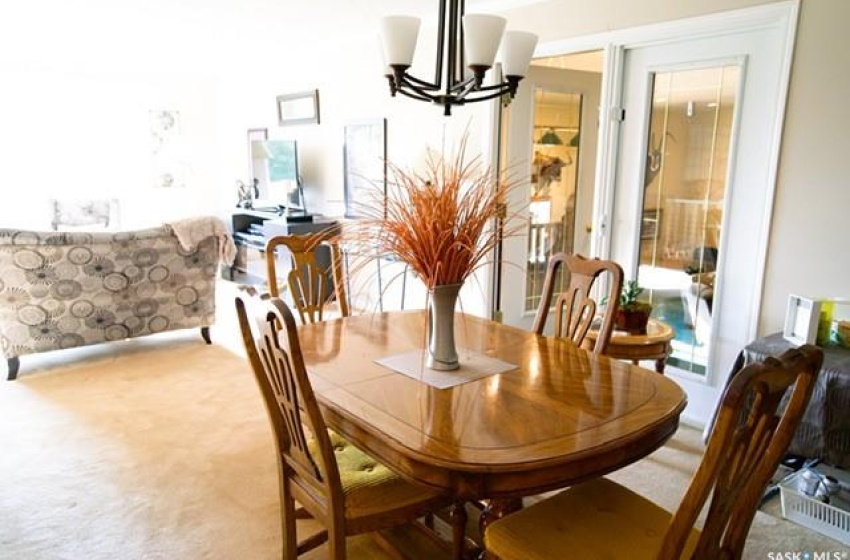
column 654, row 345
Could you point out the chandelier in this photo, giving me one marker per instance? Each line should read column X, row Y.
column 463, row 41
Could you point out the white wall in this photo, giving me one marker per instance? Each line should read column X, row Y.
column 79, row 81
column 809, row 250
column 85, row 135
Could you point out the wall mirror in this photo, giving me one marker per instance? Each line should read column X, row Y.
column 298, row 108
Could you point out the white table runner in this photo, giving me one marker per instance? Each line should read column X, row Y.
column 472, row 366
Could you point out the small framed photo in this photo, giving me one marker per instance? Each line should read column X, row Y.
column 298, row 108
column 801, row 320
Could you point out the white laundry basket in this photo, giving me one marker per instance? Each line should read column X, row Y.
column 827, row 519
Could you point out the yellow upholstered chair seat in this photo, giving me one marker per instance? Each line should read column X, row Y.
column 370, row 487
column 593, row 521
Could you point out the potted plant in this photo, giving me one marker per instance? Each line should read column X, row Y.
column 632, row 315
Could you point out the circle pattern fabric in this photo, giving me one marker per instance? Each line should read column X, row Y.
column 187, row 296
column 80, row 255
column 28, row 259
column 67, row 289
column 82, row 309
column 115, row 282
column 32, row 315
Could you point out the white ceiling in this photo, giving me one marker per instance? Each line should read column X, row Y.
column 201, row 35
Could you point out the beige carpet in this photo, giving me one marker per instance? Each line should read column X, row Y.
column 159, row 449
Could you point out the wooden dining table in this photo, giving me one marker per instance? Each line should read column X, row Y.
column 557, row 416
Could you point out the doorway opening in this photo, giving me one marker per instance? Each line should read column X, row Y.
column 550, row 138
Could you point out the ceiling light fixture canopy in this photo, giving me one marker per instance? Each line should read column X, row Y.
column 462, row 41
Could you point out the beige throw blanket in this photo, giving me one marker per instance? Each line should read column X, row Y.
column 191, row 231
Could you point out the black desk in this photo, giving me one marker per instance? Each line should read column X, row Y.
column 824, row 431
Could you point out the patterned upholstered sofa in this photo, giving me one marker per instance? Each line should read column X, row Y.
column 61, row 290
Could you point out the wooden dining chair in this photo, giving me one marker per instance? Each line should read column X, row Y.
column 575, row 308
column 311, row 289
column 601, row 519
column 335, row 482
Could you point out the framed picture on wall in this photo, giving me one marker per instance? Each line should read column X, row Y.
column 365, row 165
column 298, row 108
column 167, row 149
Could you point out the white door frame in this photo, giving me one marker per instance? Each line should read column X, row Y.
column 779, row 15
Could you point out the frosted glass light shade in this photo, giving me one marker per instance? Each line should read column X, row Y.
column 398, row 36
column 382, row 58
column 517, row 50
column 482, row 34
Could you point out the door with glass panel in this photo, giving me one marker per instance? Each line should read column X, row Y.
column 549, row 150
column 691, row 201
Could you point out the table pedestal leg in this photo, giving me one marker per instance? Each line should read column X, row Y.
column 458, row 517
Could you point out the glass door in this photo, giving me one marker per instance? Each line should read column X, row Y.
column 691, row 205
column 685, row 186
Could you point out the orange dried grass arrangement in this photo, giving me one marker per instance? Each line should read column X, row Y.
column 438, row 221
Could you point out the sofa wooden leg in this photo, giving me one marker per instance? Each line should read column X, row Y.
column 205, row 334
column 13, row 365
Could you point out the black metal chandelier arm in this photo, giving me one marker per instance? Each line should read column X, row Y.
column 494, row 87
column 421, row 84
column 505, row 88
column 468, row 88
column 466, row 84
column 414, row 93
